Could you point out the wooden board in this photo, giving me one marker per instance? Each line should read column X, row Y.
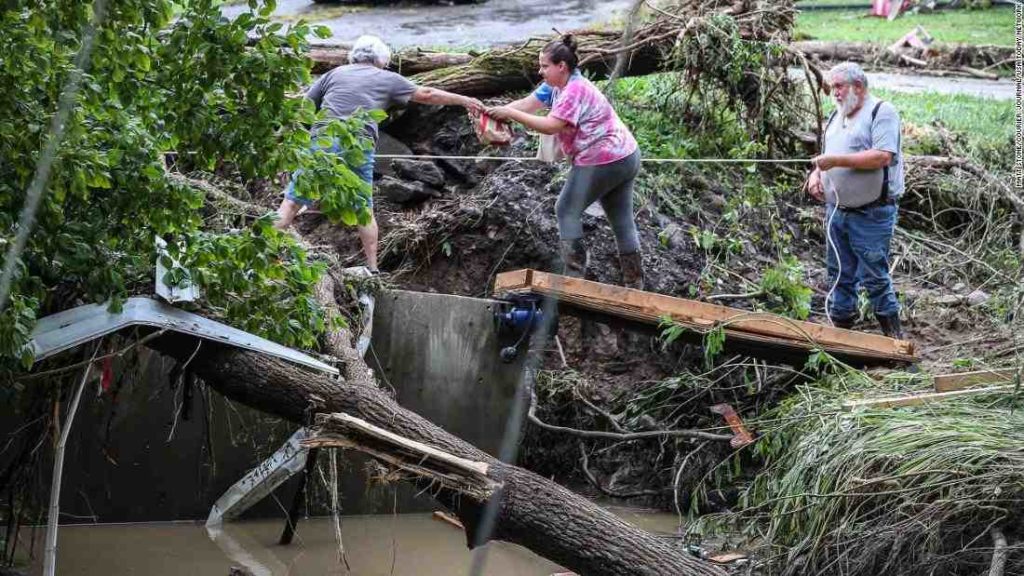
column 928, row 397
column 759, row 328
column 951, row 382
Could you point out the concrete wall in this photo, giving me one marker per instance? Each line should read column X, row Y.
column 438, row 352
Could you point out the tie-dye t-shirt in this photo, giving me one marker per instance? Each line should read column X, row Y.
column 596, row 135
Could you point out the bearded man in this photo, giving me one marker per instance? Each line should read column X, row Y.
column 859, row 176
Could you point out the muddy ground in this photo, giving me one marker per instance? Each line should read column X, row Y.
column 450, row 226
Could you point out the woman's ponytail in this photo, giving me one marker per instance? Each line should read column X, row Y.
column 563, row 50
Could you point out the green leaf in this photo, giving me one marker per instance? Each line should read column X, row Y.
column 190, row 86
column 99, row 180
column 28, row 358
column 142, row 61
column 349, row 217
column 268, row 8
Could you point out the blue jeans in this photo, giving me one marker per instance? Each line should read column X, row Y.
column 861, row 239
column 365, row 172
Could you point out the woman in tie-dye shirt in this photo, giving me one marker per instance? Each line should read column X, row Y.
column 604, row 154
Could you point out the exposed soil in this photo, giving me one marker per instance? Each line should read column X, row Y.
column 498, row 216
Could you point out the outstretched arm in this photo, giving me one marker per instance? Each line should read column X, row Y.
column 530, row 104
column 542, row 124
column 424, row 95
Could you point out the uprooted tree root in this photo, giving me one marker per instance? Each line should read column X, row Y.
column 655, row 439
column 956, row 197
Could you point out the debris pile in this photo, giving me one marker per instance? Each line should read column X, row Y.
column 879, row 490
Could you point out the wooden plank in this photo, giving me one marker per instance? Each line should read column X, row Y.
column 513, row 281
column 926, row 398
column 951, row 382
column 727, row 558
column 448, row 519
column 650, row 307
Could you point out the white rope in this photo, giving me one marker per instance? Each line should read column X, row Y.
column 535, row 159
column 831, row 242
column 732, row 160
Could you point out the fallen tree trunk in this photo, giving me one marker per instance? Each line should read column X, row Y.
column 650, row 48
column 406, row 62
column 499, row 71
column 532, row 511
column 957, row 57
column 507, row 70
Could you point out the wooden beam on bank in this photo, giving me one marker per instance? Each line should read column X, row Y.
column 951, row 382
column 760, row 329
column 926, row 398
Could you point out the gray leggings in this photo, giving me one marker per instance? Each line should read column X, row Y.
column 612, row 184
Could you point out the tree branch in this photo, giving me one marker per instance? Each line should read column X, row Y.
column 532, row 416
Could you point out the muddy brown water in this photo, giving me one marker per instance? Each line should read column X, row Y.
column 377, row 545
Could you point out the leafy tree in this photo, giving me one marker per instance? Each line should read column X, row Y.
column 167, row 86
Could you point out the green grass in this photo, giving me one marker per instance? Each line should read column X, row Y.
column 991, row 26
column 986, row 124
column 986, row 117
column 653, row 107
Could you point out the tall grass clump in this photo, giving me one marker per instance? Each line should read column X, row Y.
column 915, row 490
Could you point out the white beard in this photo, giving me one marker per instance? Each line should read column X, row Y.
column 847, row 106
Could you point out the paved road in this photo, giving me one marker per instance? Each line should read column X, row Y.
column 491, row 23
column 1003, row 89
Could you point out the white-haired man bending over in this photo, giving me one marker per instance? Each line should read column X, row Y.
column 364, row 84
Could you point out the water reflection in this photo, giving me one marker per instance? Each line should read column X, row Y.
column 403, row 545
column 413, row 544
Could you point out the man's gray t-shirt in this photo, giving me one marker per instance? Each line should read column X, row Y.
column 348, row 88
column 858, row 133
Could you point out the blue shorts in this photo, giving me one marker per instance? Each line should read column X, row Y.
column 365, row 172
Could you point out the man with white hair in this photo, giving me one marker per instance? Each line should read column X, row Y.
column 859, row 176
column 364, row 84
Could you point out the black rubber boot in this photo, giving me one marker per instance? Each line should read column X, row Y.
column 845, row 323
column 891, row 326
column 574, row 258
column 632, row 266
